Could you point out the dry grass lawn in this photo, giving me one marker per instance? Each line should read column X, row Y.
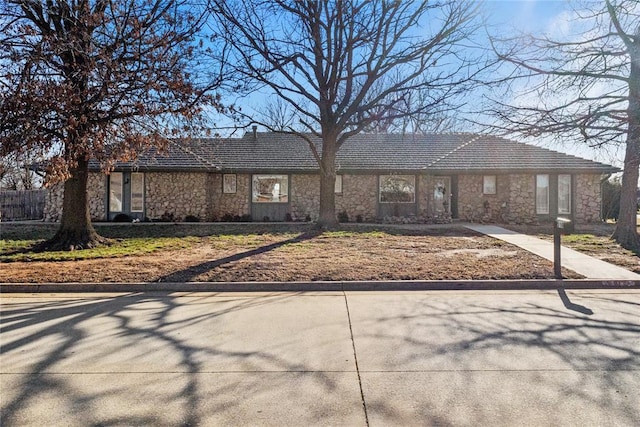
column 262, row 252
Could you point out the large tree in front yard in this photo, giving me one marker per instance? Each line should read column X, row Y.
column 102, row 79
column 345, row 66
column 583, row 86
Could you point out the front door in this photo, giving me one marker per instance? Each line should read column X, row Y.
column 441, row 196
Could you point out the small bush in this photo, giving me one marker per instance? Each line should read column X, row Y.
column 191, row 218
column 288, row 217
column 359, row 218
column 121, row 217
column 168, row 217
column 227, row 218
column 266, row 219
column 343, row 216
column 307, row 218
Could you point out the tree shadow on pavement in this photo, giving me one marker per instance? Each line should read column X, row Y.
column 45, row 344
column 473, row 361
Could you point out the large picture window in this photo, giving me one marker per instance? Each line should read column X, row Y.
column 564, row 194
column 397, row 189
column 542, row 194
column 115, row 192
column 270, row 189
column 137, row 192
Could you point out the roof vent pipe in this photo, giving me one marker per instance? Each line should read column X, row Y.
column 255, row 132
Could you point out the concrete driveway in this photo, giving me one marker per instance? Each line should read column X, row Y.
column 498, row 358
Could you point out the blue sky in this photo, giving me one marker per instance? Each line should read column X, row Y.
column 538, row 16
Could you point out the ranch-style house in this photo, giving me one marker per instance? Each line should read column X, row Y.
column 266, row 176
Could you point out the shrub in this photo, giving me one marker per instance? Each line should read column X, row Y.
column 288, row 217
column 227, row 218
column 122, row 217
column 191, row 218
column 343, row 216
column 168, row 217
column 359, row 218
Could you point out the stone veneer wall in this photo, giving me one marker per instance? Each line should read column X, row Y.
column 359, row 197
column 522, row 199
column 304, row 190
column 96, row 193
column 230, row 204
column 474, row 205
column 177, row 193
column 588, row 198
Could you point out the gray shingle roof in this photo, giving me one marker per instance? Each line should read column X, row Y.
column 365, row 152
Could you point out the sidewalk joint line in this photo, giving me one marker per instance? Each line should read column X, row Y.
column 355, row 358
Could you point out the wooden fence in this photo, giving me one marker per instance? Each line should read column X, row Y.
column 22, row 205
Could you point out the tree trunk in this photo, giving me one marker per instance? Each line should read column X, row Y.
column 626, row 229
column 626, row 232
column 327, row 218
column 76, row 230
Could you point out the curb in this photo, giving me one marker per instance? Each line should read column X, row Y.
column 395, row 285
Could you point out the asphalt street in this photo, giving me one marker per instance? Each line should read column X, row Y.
column 442, row 358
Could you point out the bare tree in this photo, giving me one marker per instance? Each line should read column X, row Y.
column 344, row 65
column 583, row 88
column 96, row 79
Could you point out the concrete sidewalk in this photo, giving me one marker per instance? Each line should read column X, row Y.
column 589, row 267
column 370, row 359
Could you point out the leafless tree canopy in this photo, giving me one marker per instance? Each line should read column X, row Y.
column 581, row 87
column 345, row 66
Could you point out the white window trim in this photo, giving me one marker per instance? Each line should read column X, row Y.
column 255, row 199
column 121, row 191
column 338, row 185
column 565, row 212
column 546, row 211
column 484, row 184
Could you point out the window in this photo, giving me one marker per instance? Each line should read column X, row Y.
column 137, row 192
column 542, row 194
column 338, row 186
column 229, row 183
column 564, row 194
column 397, row 189
column 270, row 189
column 489, row 184
column 115, row 192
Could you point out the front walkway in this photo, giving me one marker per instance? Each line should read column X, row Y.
column 589, row 267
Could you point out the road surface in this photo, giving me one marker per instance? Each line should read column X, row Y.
column 526, row 358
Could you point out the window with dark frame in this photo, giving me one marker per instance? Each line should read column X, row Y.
column 397, row 189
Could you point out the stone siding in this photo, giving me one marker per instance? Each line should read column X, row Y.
column 359, row 197
column 229, row 205
column 588, row 198
column 522, row 199
column 475, row 206
column 177, row 194
column 304, row 190
column 96, row 192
